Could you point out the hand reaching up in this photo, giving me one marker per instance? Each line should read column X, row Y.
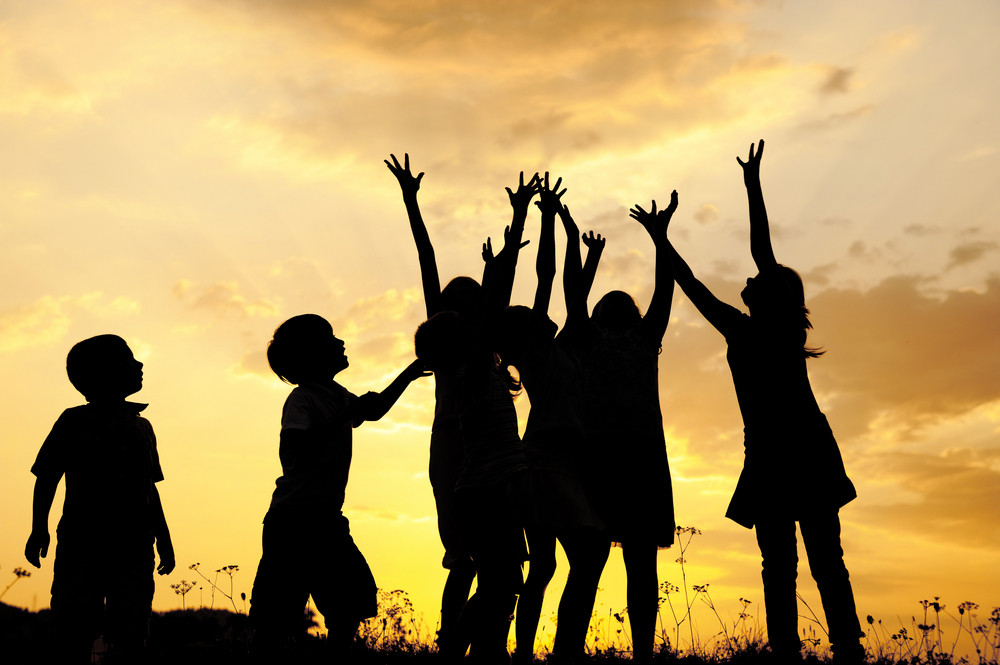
column 549, row 197
column 521, row 199
column 655, row 222
column 488, row 257
column 594, row 243
column 751, row 167
column 407, row 182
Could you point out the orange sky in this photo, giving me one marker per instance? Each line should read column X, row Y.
column 189, row 174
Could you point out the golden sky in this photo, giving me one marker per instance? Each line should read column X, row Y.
column 189, row 174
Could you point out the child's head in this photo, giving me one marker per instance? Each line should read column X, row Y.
column 776, row 293
column 304, row 348
column 460, row 295
column 442, row 341
column 103, row 368
column 776, row 298
column 521, row 329
column 616, row 312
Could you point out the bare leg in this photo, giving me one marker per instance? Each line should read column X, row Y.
column 587, row 551
column 642, row 591
column 541, row 568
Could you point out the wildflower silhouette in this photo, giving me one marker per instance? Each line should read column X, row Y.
column 18, row 574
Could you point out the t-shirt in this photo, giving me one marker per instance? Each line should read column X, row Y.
column 108, row 455
column 314, row 474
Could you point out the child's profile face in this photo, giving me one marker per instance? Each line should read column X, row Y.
column 334, row 356
column 124, row 373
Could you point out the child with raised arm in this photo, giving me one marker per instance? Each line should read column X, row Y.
column 489, row 486
column 103, row 573
column 619, row 353
column 793, row 470
column 307, row 544
column 558, row 506
column 461, row 295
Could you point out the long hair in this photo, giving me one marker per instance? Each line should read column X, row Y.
column 779, row 303
column 616, row 312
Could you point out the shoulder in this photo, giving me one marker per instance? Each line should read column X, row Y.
column 739, row 327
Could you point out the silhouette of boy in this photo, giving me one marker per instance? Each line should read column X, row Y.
column 111, row 514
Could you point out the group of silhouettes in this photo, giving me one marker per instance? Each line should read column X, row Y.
column 590, row 471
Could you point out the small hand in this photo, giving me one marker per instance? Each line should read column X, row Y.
column 166, row 552
column 751, row 167
column 38, row 544
column 416, row 370
column 520, row 199
column 488, row 257
column 407, row 182
column 549, row 197
column 647, row 219
column 594, row 243
column 663, row 217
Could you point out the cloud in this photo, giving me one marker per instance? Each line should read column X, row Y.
column 970, row 252
column 706, row 213
column 836, row 120
column 49, row 318
column 222, row 299
column 955, row 494
column 912, row 357
column 838, row 80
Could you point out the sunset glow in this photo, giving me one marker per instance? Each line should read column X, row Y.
column 189, row 174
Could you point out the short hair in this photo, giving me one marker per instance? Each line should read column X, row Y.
column 291, row 353
column 87, row 361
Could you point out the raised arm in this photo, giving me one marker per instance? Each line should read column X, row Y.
column 654, row 323
column 595, row 247
column 545, row 261
column 760, row 233
column 500, row 270
column 576, row 296
column 410, row 184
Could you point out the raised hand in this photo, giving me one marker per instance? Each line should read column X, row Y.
column 407, row 181
column 549, row 197
column 521, row 199
column 594, row 243
column 488, row 256
column 664, row 216
column 751, row 167
column 647, row 219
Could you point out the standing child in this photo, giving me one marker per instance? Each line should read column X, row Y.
column 793, row 470
column 307, row 544
column 112, row 513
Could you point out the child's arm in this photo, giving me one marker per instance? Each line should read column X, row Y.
column 410, row 184
column 41, row 503
column 576, row 297
column 595, row 247
column 501, row 277
column 760, row 233
column 654, row 323
column 545, row 261
column 164, row 547
column 372, row 406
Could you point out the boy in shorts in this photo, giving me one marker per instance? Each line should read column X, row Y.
column 111, row 514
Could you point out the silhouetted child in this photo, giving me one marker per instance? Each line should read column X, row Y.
column 620, row 353
column 103, row 572
column 489, row 487
column 793, row 470
column 460, row 295
column 558, row 506
column 307, row 545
